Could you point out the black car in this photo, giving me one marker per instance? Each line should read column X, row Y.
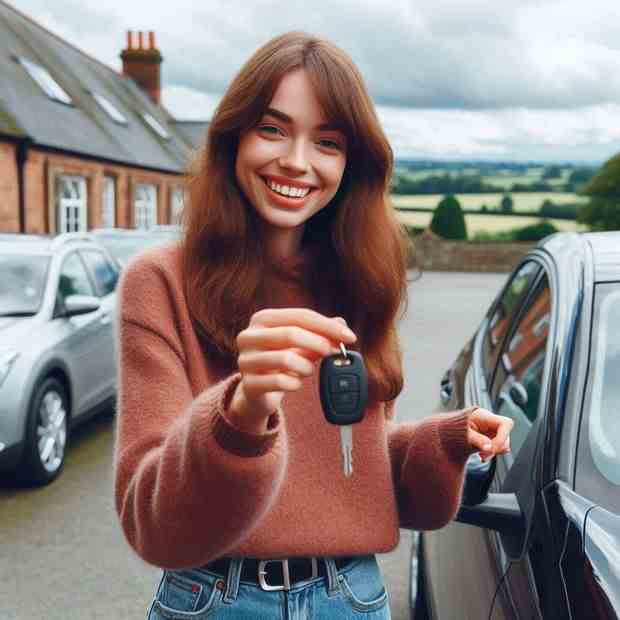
column 538, row 531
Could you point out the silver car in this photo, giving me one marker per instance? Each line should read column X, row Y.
column 124, row 243
column 57, row 354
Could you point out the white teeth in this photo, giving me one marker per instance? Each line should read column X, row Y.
column 285, row 190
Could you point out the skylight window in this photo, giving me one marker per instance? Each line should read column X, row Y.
column 110, row 109
column 155, row 125
column 47, row 83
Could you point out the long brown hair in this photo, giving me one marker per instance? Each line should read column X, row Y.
column 361, row 265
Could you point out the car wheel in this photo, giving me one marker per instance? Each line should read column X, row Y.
column 46, row 433
column 421, row 610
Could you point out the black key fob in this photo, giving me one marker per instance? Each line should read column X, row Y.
column 343, row 388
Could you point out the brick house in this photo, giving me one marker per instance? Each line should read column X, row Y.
column 81, row 145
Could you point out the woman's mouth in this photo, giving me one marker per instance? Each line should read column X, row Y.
column 287, row 196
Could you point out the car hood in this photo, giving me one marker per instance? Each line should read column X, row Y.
column 15, row 331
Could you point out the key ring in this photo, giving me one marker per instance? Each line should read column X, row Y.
column 346, row 361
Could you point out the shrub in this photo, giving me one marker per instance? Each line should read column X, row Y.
column 448, row 219
column 507, row 203
column 534, row 232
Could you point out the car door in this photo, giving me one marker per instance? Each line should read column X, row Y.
column 105, row 277
column 517, row 391
column 594, row 574
column 461, row 560
column 80, row 336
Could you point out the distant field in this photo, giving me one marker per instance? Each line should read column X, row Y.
column 487, row 223
column 504, row 179
column 523, row 201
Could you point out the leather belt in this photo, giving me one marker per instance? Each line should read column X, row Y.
column 280, row 574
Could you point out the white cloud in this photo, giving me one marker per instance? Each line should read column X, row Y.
column 471, row 77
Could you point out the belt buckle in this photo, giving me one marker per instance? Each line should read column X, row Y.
column 287, row 578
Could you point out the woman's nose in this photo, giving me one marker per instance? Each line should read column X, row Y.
column 295, row 157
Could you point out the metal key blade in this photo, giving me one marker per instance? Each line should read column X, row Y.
column 346, row 445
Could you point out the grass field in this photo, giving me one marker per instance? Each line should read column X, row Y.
column 488, row 223
column 523, row 201
column 504, row 179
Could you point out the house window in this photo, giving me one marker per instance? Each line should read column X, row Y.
column 71, row 204
column 110, row 109
column 46, row 82
column 155, row 125
column 108, row 203
column 145, row 206
column 176, row 205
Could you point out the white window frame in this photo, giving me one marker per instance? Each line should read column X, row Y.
column 177, row 201
column 45, row 81
column 145, row 205
column 108, row 203
column 72, row 211
column 110, row 109
column 156, row 126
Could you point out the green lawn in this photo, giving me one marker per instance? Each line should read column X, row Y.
column 523, row 201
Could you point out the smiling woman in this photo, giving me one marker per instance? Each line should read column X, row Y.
column 291, row 251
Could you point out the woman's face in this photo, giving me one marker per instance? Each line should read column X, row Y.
column 292, row 150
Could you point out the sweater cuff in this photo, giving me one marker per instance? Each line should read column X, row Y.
column 453, row 435
column 233, row 439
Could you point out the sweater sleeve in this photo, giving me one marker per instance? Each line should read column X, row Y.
column 188, row 485
column 428, row 464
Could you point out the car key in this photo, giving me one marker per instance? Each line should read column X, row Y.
column 344, row 394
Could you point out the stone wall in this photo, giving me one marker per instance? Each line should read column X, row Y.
column 436, row 254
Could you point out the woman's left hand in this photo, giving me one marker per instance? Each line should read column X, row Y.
column 489, row 433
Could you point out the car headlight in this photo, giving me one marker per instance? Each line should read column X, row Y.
column 7, row 359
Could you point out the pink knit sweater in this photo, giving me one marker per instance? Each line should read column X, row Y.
column 190, row 487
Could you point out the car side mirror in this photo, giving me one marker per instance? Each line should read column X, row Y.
column 478, row 478
column 80, row 304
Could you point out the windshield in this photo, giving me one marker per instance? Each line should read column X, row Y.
column 123, row 248
column 22, row 284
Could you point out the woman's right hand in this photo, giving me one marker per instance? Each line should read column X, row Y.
column 276, row 350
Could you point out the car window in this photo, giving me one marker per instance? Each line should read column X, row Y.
column 516, row 388
column 22, row 283
column 103, row 273
column 598, row 466
column 506, row 308
column 73, row 279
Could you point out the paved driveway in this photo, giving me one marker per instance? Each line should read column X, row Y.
column 63, row 556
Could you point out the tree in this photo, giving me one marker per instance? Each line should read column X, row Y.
column 603, row 210
column 507, row 203
column 448, row 219
column 552, row 172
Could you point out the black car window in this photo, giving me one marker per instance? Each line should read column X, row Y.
column 104, row 274
column 73, row 279
column 598, row 463
column 517, row 384
column 503, row 313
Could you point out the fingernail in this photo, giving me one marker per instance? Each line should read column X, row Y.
column 487, row 446
column 347, row 333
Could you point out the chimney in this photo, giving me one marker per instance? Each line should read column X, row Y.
column 142, row 64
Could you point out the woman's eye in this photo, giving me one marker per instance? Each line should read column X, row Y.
column 331, row 144
column 269, row 129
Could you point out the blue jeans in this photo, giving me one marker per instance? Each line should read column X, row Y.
column 356, row 591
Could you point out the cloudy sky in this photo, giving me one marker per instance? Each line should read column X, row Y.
column 451, row 79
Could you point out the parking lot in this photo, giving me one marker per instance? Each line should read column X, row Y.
column 63, row 554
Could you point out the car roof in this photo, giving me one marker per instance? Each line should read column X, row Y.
column 25, row 243
column 605, row 248
column 43, row 245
